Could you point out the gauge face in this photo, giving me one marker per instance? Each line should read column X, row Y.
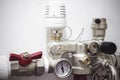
column 63, row 69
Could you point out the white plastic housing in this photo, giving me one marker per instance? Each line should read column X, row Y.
column 5, row 68
column 55, row 16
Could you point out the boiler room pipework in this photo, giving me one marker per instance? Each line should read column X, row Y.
column 66, row 57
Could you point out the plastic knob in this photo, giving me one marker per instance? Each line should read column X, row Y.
column 25, row 58
column 108, row 47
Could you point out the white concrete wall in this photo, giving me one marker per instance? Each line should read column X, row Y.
column 22, row 25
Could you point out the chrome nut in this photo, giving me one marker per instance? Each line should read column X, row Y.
column 39, row 67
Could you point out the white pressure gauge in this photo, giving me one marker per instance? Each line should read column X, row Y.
column 63, row 68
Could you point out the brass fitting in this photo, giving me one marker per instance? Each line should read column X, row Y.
column 56, row 35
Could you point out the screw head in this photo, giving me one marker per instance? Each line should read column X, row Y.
column 26, row 55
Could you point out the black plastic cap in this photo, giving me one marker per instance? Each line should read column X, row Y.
column 97, row 21
column 108, row 47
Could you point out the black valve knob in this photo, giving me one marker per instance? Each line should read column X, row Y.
column 108, row 47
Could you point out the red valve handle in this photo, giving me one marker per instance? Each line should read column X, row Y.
column 25, row 58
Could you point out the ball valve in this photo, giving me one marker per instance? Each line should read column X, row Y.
column 25, row 58
column 26, row 64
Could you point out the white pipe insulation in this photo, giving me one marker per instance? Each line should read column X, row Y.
column 5, row 68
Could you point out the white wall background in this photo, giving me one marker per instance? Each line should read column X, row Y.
column 22, row 25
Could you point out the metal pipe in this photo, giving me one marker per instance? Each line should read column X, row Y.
column 113, row 70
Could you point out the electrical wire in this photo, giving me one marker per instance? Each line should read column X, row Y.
column 78, row 38
column 69, row 35
column 95, row 74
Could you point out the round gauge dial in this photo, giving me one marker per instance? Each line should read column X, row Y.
column 63, row 68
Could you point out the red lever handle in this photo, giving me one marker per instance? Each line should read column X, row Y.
column 25, row 58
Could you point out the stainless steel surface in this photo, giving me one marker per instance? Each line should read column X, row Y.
column 113, row 71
